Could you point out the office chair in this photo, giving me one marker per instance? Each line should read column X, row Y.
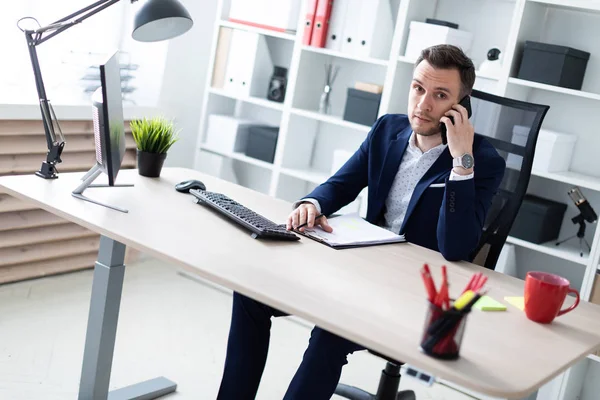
column 512, row 127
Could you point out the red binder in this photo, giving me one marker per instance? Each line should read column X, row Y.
column 311, row 9
column 319, row 33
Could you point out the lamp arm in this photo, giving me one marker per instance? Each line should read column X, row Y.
column 58, row 26
column 35, row 38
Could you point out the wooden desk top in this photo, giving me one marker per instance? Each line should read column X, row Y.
column 372, row 295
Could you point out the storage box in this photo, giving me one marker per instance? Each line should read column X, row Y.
column 519, row 137
column 538, row 220
column 227, row 134
column 262, row 142
column 423, row 35
column 553, row 65
column 362, row 107
column 553, row 150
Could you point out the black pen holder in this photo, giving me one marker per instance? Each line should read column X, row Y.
column 443, row 332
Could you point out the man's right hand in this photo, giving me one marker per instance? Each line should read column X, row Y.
column 306, row 213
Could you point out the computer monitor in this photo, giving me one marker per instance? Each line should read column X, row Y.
column 109, row 130
column 109, row 126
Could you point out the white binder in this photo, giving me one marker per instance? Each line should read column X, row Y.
column 249, row 65
column 368, row 29
column 335, row 33
column 351, row 24
column 375, row 33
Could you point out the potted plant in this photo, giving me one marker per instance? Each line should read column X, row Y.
column 153, row 137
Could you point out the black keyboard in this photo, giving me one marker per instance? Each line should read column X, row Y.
column 260, row 226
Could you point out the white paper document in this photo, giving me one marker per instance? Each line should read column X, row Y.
column 351, row 230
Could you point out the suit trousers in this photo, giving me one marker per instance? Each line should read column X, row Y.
column 248, row 345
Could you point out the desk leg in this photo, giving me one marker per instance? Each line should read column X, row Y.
column 102, row 329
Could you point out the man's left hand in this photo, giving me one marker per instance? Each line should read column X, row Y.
column 461, row 134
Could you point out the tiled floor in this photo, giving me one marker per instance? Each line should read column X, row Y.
column 170, row 324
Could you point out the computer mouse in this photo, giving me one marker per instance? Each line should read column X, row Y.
column 185, row 186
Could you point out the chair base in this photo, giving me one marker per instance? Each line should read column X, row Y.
column 388, row 387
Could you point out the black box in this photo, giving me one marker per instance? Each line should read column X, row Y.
column 262, row 141
column 362, row 107
column 538, row 220
column 554, row 65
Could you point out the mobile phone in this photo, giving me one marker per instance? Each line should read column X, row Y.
column 466, row 103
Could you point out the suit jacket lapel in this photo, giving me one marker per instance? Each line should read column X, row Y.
column 441, row 166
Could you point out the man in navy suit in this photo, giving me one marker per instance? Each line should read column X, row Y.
column 437, row 195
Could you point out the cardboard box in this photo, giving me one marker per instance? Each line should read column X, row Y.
column 227, row 134
column 423, row 35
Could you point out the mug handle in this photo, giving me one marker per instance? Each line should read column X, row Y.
column 571, row 290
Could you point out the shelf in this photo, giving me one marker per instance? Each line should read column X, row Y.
column 309, row 175
column 566, row 251
column 238, row 156
column 573, row 178
column 248, row 99
column 593, row 357
column 486, row 76
column 330, row 119
column 261, row 31
column 406, row 60
column 339, row 54
column 588, row 5
column 552, row 88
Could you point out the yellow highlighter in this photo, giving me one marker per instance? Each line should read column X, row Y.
column 464, row 299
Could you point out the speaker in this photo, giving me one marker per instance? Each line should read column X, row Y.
column 277, row 85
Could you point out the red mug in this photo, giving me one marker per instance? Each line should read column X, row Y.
column 544, row 296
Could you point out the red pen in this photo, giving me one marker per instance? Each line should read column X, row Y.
column 429, row 284
column 445, row 298
column 482, row 280
column 470, row 284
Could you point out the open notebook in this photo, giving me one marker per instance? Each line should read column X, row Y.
column 351, row 230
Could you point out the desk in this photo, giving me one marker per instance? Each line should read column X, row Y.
column 373, row 296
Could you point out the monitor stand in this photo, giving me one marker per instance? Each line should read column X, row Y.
column 87, row 179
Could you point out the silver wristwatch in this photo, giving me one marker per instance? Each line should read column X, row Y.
column 465, row 161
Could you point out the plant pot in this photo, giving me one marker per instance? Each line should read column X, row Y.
column 150, row 164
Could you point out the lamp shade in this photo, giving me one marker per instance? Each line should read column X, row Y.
column 161, row 20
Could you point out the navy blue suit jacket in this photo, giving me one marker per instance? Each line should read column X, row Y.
column 446, row 219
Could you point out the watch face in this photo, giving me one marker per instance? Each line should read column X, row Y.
column 467, row 161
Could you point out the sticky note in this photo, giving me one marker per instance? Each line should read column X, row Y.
column 518, row 301
column 486, row 303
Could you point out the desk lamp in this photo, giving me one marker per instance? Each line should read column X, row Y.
column 156, row 20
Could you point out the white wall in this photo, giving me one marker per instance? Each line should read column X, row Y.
column 184, row 79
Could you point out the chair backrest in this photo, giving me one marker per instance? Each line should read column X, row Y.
column 512, row 127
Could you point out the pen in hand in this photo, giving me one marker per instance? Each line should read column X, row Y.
column 306, row 223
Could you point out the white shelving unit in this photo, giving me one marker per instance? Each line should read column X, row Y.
column 339, row 54
column 307, row 138
column 557, row 89
column 330, row 119
column 248, row 99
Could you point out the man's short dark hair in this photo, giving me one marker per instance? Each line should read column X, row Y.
column 446, row 56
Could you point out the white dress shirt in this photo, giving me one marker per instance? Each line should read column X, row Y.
column 413, row 166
